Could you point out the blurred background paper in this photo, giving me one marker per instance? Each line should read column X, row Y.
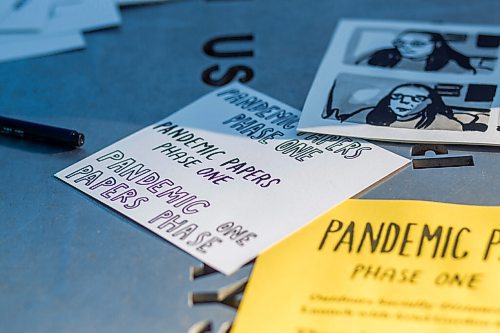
column 30, row 28
column 138, row 2
column 6, row 7
column 44, row 45
column 65, row 21
column 24, row 15
column 84, row 15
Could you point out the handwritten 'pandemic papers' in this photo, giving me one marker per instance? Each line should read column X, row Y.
column 408, row 81
column 228, row 175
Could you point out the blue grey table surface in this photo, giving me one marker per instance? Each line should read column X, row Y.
column 69, row 264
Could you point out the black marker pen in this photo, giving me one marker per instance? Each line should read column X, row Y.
column 37, row 132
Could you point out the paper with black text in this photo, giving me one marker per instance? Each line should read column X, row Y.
column 228, row 176
column 380, row 266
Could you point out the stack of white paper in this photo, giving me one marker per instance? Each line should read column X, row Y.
column 31, row 28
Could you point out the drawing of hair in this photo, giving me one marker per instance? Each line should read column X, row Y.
column 429, row 45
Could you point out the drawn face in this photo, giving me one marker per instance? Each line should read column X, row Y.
column 414, row 45
column 406, row 102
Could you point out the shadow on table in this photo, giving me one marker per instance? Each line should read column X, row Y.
column 37, row 147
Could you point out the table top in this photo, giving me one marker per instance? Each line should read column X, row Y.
column 70, row 264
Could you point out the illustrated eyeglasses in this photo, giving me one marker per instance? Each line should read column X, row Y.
column 413, row 98
column 413, row 43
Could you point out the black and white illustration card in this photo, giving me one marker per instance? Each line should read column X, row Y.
column 408, row 104
column 408, row 81
column 424, row 49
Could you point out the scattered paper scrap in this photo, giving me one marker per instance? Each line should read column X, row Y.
column 25, row 15
column 16, row 48
column 138, row 2
column 40, row 27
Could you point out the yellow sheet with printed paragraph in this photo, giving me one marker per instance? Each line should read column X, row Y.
column 377, row 266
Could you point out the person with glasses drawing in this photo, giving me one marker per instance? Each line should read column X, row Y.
column 409, row 105
column 419, row 50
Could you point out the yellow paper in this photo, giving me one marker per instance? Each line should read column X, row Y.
column 325, row 279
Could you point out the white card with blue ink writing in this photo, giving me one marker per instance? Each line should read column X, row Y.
column 408, row 82
column 228, row 176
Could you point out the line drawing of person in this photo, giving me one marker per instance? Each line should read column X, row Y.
column 429, row 48
column 410, row 105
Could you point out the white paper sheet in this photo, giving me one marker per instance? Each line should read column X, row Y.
column 24, row 15
column 76, row 15
column 211, row 180
column 84, row 15
column 138, row 2
column 6, row 7
column 14, row 49
column 62, row 32
column 408, row 81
